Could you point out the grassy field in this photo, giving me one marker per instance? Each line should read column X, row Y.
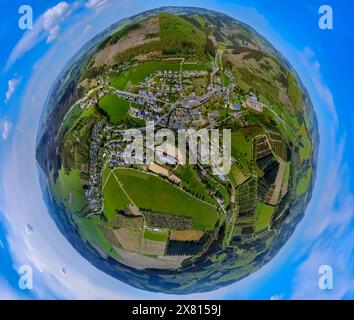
column 156, row 235
column 294, row 91
column 115, row 107
column 242, row 84
column 151, row 192
column 71, row 117
column 305, row 147
column 69, row 190
column 241, row 148
column 263, row 215
column 287, row 172
column 138, row 73
column 92, row 233
column 304, row 183
column 196, row 66
column 192, row 183
column 238, row 175
column 222, row 114
column 114, row 198
column 225, row 80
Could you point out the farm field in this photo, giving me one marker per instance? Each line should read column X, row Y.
column 186, row 235
column 138, row 73
column 115, row 107
column 304, row 183
column 156, row 235
column 92, row 233
column 129, row 239
column 68, row 188
column 238, row 175
column 294, row 91
column 114, row 198
column 305, row 147
column 194, row 66
column 263, row 216
column 287, row 172
column 150, row 192
column 240, row 145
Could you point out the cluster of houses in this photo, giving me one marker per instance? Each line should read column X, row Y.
column 164, row 84
column 93, row 192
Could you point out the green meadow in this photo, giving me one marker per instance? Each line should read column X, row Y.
column 263, row 216
column 304, row 183
column 154, row 235
column 69, row 190
column 138, row 73
column 192, row 183
column 115, row 108
column 114, row 198
column 151, row 192
column 91, row 232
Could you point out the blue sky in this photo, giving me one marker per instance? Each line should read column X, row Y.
column 29, row 63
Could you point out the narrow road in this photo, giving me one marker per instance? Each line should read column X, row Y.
column 135, row 95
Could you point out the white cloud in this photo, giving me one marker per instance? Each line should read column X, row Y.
column 98, row 6
column 12, row 85
column 95, row 4
column 331, row 253
column 87, row 29
column 308, row 58
column 6, row 292
column 53, row 17
column 46, row 27
column 327, row 240
column 5, row 129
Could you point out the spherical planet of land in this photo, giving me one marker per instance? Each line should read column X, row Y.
column 165, row 225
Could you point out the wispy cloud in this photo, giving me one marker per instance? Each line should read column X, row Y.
column 5, row 130
column 46, row 27
column 326, row 237
column 6, row 292
column 12, row 85
column 309, row 60
column 99, row 6
column 95, row 4
column 329, row 236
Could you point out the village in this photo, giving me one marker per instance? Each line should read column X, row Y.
column 167, row 98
